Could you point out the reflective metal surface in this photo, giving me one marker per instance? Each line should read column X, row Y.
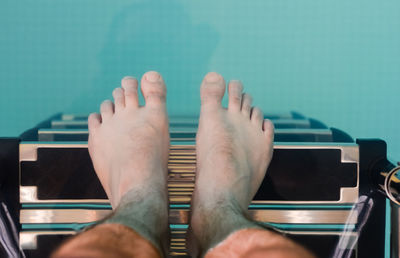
column 28, row 194
column 39, row 215
column 189, row 121
column 180, row 129
column 180, row 216
column 182, row 170
column 28, row 240
column 392, row 185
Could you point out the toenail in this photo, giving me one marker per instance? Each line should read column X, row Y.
column 153, row 77
column 212, row 77
column 128, row 78
column 235, row 81
column 118, row 93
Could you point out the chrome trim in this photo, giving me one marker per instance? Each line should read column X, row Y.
column 28, row 150
column 62, row 215
column 349, row 151
column 303, row 131
column 173, row 129
column 349, row 154
column 188, row 121
column 70, row 116
column 62, row 131
column 181, row 216
column 28, row 239
column 287, row 115
column 191, row 130
column 57, row 123
column 74, row 116
column 347, row 195
column 291, row 121
column 28, row 194
column 303, row 216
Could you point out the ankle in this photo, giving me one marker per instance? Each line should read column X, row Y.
column 211, row 223
column 144, row 212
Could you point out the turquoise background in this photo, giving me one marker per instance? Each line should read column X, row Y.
column 337, row 61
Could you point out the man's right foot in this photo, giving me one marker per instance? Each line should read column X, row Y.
column 129, row 147
column 234, row 149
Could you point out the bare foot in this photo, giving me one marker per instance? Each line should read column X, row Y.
column 234, row 148
column 129, row 144
column 129, row 147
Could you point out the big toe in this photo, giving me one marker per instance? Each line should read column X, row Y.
column 212, row 90
column 153, row 89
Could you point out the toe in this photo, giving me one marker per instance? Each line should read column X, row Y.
column 153, row 89
column 119, row 99
column 235, row 89
column 246, row 104
column 212, row 90
column 257, row 117
column 94, row 121
column 268, row 128
column 130, row 86
column 106, row 110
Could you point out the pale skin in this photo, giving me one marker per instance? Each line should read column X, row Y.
column 129, row 147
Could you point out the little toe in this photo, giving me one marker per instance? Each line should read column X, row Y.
column 119, row 99
column 235, row 89
column 268, row 128
column 94, row 121
column 246, row 104
column 212, row 90
column 153, row 89
column 130, row 86
column 257, row 117
column 106, row 110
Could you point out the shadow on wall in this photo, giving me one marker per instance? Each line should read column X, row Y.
column 154, row 35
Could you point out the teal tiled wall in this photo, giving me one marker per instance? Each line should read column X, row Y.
column 337, row 61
